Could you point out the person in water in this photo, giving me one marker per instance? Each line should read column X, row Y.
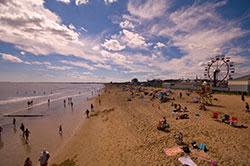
column 64, row 103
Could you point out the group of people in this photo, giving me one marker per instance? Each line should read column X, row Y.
column 87, row 110
column 43, row 159
column 25, row 132
column 178, row 108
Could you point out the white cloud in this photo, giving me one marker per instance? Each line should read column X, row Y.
column 83, row 29
column 39, row 63
column 110, row 1
column 78, row 64
column 22, row 53
column 133, row 39
column 148, row 10
column 113, row 45
column 104, row 66
column 159, row 45
column 200, row 33
column 58, row 68
column 126, row 24
column 64, row 1
column 11, row 58
column 37, row 30
column 116, row 58
column 81, row 2
column 71, row 26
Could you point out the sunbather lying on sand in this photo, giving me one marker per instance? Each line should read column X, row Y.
column 179, row 138
column 203, row 107
column 183, row 116
column 232, row 121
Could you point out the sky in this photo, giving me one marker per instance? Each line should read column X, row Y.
column 117, row 40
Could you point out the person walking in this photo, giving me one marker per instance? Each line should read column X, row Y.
column 87, row 113
column 22, row 128
column 92, row 107
column 1, row 130
column 27, row 134
column 247, row 107
column 60, row 130
column 14, row 122
column 44, row 158
column 180, row 95
column 27, row 162
column 242, row 97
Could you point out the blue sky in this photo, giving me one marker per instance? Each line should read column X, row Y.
column 117, row 40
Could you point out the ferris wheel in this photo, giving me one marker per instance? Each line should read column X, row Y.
column 219, row 69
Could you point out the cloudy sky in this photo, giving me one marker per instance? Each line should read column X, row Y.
column 117, row 40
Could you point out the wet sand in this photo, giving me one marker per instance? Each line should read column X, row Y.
column 44, row 130
column 122, row 132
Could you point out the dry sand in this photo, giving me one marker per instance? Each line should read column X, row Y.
column 122, row 132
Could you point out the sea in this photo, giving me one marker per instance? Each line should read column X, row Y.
column 42, row 118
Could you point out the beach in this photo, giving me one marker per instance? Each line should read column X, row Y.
column 42, row 119
column 124, row 132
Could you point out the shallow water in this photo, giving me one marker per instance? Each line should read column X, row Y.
column 44, row 130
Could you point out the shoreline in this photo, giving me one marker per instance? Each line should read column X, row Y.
column 122, row 132
column 76, row 129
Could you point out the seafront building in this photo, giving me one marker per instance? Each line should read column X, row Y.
column 241, row 84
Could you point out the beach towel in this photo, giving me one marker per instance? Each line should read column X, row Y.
column 172, row 151
column 186, row 160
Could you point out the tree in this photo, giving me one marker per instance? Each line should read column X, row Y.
column 134, row 80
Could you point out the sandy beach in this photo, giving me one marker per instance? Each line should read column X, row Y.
column 122, row 132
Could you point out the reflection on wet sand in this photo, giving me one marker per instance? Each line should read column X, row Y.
column 26, row 145
column 1, row 143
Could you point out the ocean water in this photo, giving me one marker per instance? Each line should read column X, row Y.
column 44, row 129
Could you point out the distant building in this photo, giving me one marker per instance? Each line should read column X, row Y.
column 154, row 83
column 241, row 84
